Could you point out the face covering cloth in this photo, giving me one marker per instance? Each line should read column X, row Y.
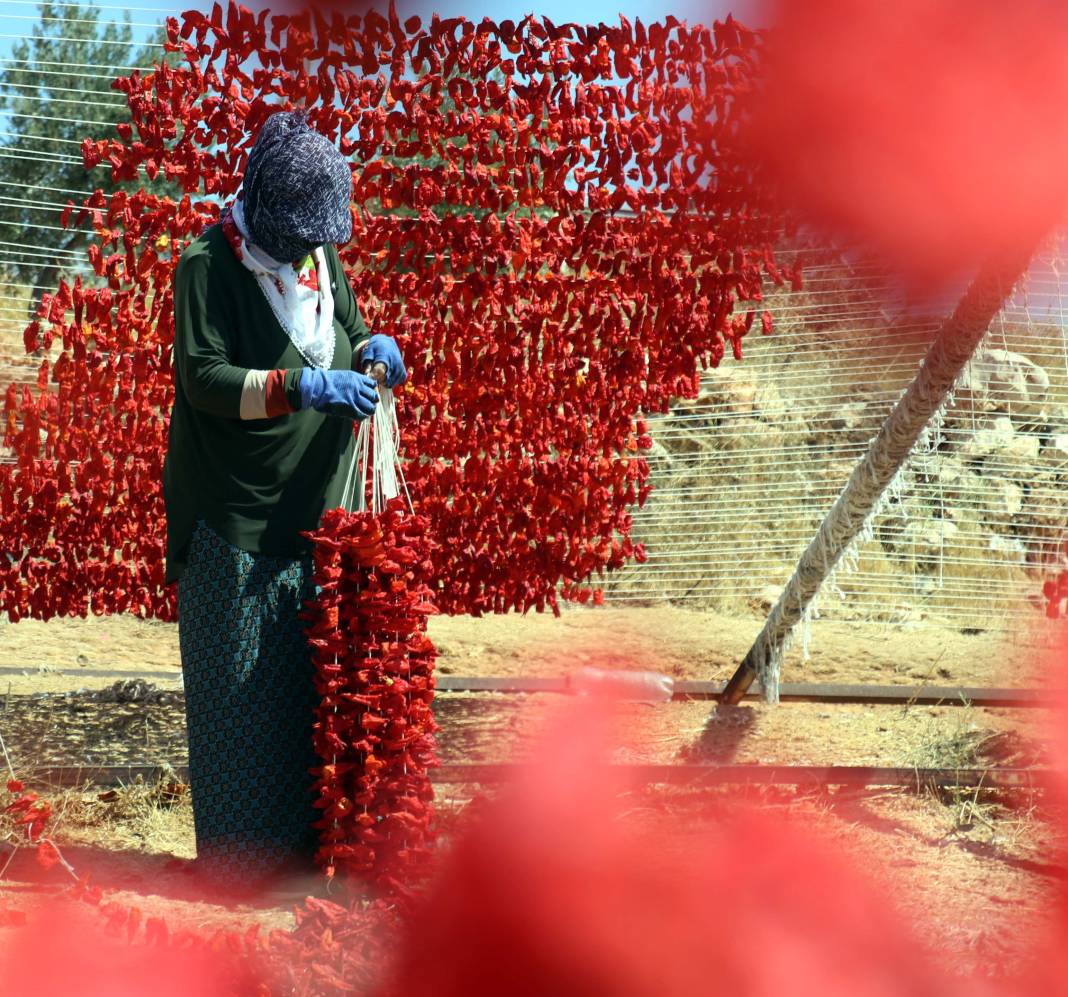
column 296, row 190
column 299, row 295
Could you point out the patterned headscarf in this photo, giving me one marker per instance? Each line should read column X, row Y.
column 296, row 189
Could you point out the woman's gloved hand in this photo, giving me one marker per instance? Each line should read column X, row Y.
column 346, row 393
column 382, row 349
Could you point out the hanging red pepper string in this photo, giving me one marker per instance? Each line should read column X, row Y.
column 583, row 272
column 374, row 669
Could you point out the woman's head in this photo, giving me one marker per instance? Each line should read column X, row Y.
column 297, row 189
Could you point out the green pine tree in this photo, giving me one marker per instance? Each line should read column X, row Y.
column 51, row 99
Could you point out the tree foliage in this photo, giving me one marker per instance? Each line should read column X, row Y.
column 55, row 92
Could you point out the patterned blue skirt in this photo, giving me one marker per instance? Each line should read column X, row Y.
column 249, row 702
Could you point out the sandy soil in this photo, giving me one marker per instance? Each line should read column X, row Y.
column 64, row 655
column 679, row 642
column 974, row 879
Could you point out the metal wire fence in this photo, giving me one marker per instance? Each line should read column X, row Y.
column 745, row 472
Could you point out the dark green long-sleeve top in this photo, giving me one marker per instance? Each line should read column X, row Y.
column 256, row 482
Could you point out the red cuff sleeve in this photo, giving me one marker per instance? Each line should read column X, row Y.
column 275, row 400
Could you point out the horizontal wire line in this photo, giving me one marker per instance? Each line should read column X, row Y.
column 79, row 20
column 46, row 228
column 65, row 161
column 31, row 67
column 969, row 586
column 1000, row 620
column 934, row 599
column 26, row 247
column 52, row 39
column 835, row 486
column 671, row 535
column 881, row 366
column 1007, row 571
column 826, row 494
column 877, row 583
column 674, row 539
column 998, row 573
column 65, row 100
column 54, row 156
column 798, row 533
column 817, row 503
column 813, row 502
column 30, row 204
column 162, row 11
column 66, row 270
column 28, row 287
column 66, row 266
column 41, row 260
column 49, row 228
column 811, row 507
column 868, row 421
column 849, row 360
column 41, row 138
column 54, row 190
column 1014, row 602
column 880, row 362
column 677, row 542
column 658, row 551
column 986, row 613
column 61, row 256
column 780, row 432
column 933, row 614
column 34, row 62
column 68, row 121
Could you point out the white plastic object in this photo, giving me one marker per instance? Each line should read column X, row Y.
column 618, row 683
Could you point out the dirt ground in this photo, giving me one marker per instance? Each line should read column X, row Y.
column 64, row 655
column 683, row 643
column 973, row 873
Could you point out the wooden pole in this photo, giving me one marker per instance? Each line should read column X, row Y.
column 953, row 346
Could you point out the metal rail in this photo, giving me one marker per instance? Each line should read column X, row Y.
column 779, row 775
column 96, row 673
column 796, row 692
column 694, row 775
column 686, row 691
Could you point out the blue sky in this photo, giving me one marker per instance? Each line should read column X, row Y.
column 18, row 17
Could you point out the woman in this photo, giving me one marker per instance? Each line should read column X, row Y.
column 268, row 344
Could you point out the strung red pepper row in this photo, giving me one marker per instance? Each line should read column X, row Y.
column 1055, row 592
column 540, row 321
column 375, row 673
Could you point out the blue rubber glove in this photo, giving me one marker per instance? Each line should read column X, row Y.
column 346, row 393
column 382, row 349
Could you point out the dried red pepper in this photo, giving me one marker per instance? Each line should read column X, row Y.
column 375, row 673
column 584, row 272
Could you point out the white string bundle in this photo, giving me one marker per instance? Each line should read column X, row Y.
column 377, row 453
